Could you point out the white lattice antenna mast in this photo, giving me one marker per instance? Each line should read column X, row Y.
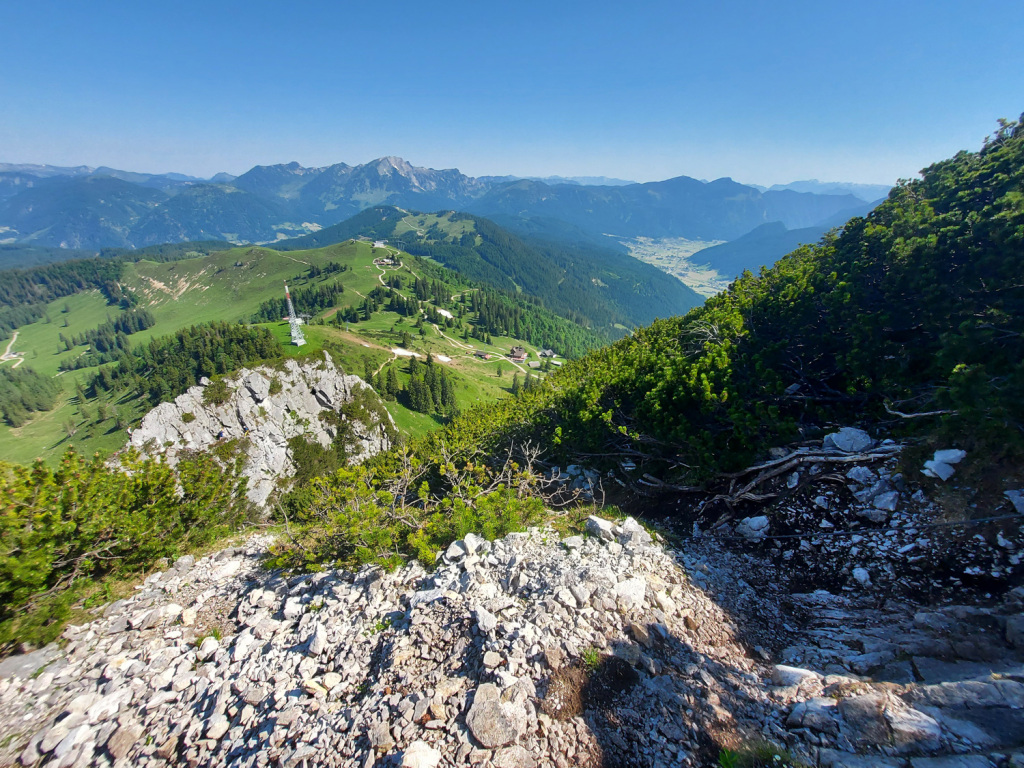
column 293, row 321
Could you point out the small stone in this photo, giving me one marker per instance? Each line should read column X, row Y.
column 226, row 571
column 848, row 440
column 492, row 659
column 217, row 726
column 455, row 552
column 313, row 688
column 862, row 576
column 938, row 469
column 1016, row 499
column 862, row 475
column 476, row 545
column 419, row 754
column 318, row 643
column 292, row 608
column 380, row 737
column 950, row 456
column 600, row 528
column 631, row 592
column 76, row 736
column 492, row 723
column 331, row 679
column 886, row 501
column 641, row 634
column 783, row 675
column 753, row 528
column 485, row 620
column 555, row 657
column 208, row 648
column 513, row 757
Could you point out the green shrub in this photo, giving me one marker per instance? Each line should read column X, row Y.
column 216, row 392
column 65, row 527
column 387, row 512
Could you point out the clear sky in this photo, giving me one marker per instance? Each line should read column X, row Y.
column 760, row 91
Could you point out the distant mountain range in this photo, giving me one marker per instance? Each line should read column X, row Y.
column 866, row 192
column 92, row 208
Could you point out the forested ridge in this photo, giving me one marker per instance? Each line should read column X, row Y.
column 918, row 307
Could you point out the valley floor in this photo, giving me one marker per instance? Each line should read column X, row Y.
column 674, row 256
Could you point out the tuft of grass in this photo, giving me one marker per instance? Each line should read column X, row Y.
column 591, row 658
column 758, row 754
column 214, row 633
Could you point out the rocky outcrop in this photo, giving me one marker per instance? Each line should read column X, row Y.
column 528, row 651
column 266, row 407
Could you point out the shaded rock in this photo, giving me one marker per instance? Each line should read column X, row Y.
column 1015, row 631
column 818, row 714
column 913, row 731
column 950, row 456
column 938, row 469
column 864, row 722
column 849, row 440
column 753, row 528
column 951, row 761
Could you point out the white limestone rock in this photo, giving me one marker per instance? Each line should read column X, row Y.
column 267, row 421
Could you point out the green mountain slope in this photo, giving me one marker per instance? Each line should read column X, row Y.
column 72, row 212
column 69, row 319
column 599, row 286
column 916, row 308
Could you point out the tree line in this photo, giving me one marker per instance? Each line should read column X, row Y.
column 167, row 366
column 24, row 392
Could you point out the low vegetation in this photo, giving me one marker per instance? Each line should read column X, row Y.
column 63, row 528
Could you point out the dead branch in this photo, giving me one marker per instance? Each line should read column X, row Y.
column 917, row 415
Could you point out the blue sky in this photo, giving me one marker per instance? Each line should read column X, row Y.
column 761, row 91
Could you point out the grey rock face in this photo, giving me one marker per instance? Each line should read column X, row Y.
column 266, row 421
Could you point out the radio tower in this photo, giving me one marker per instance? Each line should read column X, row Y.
column 293, row 321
